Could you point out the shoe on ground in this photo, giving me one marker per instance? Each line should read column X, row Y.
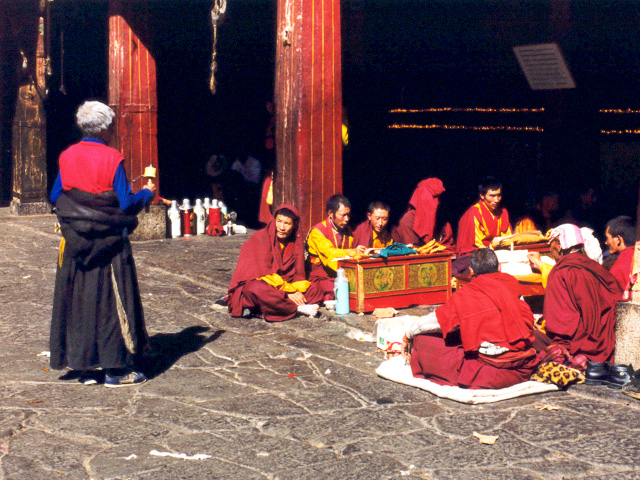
column 597, row 373
column 224, row 301
column 90, row 378
column 619, row 375
column 632, row 389
column 126, row 380
column 310, row 310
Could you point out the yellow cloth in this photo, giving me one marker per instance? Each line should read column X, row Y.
column 525, row 225
column 61, row 252
column 377, row 243
column 431, row 247
column 545, row 270
column 345, row 135
column 269, row 199
column 482, row 230
column 522, row 238
column 276, row 281
column 321, row 247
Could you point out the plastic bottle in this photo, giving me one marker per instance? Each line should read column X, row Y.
column 174, row 217
column 223, row 211
column 207, row 205
column 198, row 212
column 187, row 211
column 341, row 289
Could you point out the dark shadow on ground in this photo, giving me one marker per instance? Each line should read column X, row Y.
column 168, row 348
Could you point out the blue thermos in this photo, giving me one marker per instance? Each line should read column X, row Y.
column 341, row 289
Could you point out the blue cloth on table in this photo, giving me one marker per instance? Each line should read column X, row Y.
column 394, row 250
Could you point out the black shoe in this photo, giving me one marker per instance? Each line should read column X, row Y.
column 632, row 389
column 223, row 301
column 597, row 373
column 619, row 375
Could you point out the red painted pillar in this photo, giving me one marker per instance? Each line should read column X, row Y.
column 308, row 100
column 132, row 91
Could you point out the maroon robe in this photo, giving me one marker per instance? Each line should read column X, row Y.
column 363, row 235
column 487, row 309
column 418, row 225
column 579, row 307
column 262, row 255
column 621, row 269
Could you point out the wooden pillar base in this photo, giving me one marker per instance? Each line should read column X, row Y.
column 30, row 208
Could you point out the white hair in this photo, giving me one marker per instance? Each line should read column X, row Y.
column 94, row 117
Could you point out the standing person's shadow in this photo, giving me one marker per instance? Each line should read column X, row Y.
column 167, row 348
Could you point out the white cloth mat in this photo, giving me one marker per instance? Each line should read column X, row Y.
column 395, row 370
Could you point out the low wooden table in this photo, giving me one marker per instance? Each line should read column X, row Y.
column 530, row 285
column 398, row 282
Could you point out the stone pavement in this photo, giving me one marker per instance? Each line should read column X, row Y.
column 243, row 399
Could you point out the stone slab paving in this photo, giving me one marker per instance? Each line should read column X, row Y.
column 244, row 399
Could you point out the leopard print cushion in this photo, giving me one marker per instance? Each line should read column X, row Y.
column 558, row 374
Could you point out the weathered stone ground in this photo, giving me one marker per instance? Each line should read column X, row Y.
column 297, row 400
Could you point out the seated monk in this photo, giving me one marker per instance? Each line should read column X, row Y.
column 373, row 233
column 481, row 338
column 621, row 238
column 270, row 278
column 418, row 225
column 580, row 298
column 329, row 240
column 481, row 223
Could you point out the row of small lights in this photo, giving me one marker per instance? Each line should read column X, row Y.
column 498, row 110
column 499, row 128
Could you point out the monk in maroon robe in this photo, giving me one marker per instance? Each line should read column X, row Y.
column 373, row 232
column 620, row 235
column 418, row 225
column 580, row 299
column 328, row 241
column 482, row 337
column 270, row 276
column 481, row 223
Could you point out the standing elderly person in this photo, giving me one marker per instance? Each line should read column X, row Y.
column 580, row 298
column 97, row 321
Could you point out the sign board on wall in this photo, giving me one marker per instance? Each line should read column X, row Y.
column 544, row 66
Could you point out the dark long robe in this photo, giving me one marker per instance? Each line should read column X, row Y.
column 260, row 256
column 488, row 309
column 97, row 318
column 579, row 307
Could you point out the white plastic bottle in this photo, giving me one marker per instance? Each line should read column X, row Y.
column 198, row 211
column 174, row 217
column 341, row 289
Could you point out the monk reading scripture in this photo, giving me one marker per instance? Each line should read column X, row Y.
column 580, row 299
column 419, row 223
column 329, row 240
column 373, row 232
column 481, row 338
column 481, row 223
column 270, row 278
